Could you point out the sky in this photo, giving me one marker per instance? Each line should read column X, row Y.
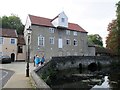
column 92, row 15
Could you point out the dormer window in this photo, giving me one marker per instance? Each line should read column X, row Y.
column 63, row 20
column 60, row 21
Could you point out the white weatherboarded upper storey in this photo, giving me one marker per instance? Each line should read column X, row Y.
column 61, row 20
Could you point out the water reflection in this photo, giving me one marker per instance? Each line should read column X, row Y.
column 105, row 84
column 84, row 79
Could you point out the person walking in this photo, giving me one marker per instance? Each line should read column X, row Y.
column 42, row 59
column 37, row 61
column 34, row 59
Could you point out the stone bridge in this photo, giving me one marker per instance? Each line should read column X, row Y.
column 67, row 62
column 80, row 61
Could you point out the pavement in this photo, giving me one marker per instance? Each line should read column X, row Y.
column 18, row 79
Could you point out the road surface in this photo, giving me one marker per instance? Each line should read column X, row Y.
column 5, row 76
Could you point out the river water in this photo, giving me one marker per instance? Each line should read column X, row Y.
column 85, row 79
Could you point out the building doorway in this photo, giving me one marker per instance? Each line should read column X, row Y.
column 12, row 57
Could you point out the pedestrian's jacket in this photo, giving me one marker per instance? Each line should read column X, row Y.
column 37, row 60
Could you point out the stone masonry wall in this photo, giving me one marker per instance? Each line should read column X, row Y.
column 60, row 63
column 74, row 61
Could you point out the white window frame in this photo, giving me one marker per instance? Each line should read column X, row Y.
column 41, row 41
column 11, row 41
column 52, row 30
column 62, row 20
column 75, row 43
column 68, row 41
column 75, row 33
column 67, row 32
column 51, row 40
column 1, row 40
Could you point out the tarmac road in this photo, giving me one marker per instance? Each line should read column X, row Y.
column 5, row 76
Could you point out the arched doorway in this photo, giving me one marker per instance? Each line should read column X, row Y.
column 12, row 57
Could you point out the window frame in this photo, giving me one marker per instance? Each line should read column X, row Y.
column 75, row 33
column 41, row 40
column 20, row 49
column 1, row 40
column 11, row 41
column 62, row 20
column 68, row 42
column 51, row 30
column 67, row 32
column 75, row 42
column 51, row 39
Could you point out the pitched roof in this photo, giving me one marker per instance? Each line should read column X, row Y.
column 8, row 33
column 21, row 40
column 36, row 20
column 40, row 21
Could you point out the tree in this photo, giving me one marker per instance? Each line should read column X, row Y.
column 5, row 22
column 95, row 39
column 118, row 27
column 113, row 39
column 13, row 22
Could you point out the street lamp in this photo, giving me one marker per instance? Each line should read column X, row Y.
column 29, row 30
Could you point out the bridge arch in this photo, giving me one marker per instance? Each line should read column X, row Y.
column 92, row 66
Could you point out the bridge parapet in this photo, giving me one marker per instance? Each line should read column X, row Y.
column 74, row 61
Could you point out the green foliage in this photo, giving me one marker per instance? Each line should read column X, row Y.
column 118, row 26
column 115, row 65
column 13, row 22
column 5, row 23
column 95, row 39
column 113, row 39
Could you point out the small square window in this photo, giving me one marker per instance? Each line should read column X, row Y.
column 12, row 41
column 67, row 32
column 75, row 33
column 63, row 19
column 52, row 30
